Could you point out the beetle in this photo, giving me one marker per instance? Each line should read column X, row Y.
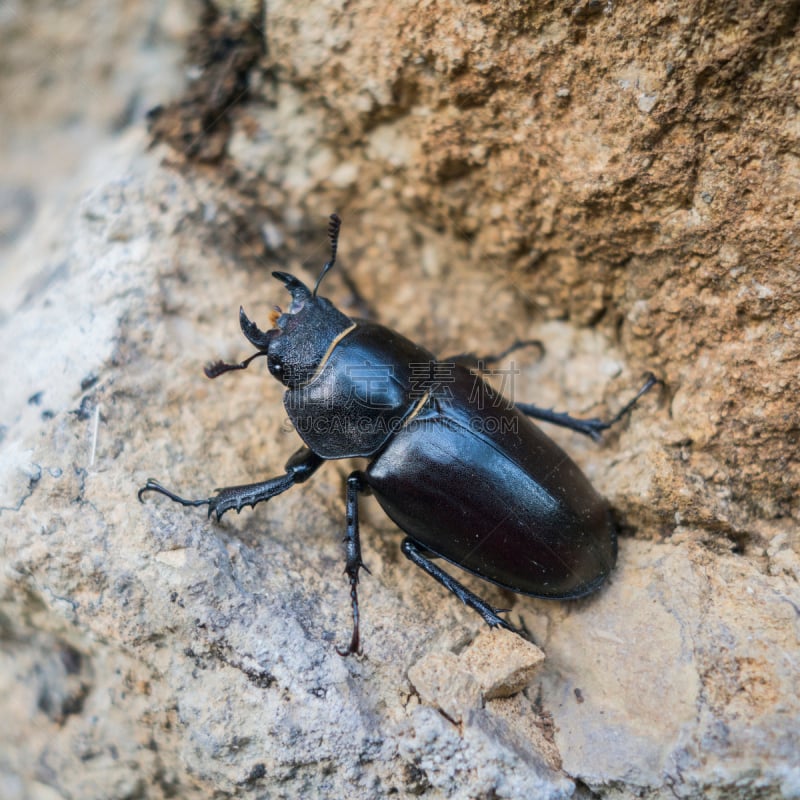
column 461, row 470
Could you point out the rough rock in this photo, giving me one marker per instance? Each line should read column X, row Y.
column 619, row 183
column 502, row 663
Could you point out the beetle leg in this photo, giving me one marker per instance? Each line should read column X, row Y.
column 479, row 362
column 413, row 552
column 353, row 563
column 589, row 427
column 300, row 466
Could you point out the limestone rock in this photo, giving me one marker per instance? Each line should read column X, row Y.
column 502, row 662
column 618, row 182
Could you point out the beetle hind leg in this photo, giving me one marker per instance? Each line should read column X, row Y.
column 415, row 553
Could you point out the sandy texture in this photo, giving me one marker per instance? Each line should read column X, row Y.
column 620, row 183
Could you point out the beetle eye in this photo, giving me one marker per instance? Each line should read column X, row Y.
column 275, row 368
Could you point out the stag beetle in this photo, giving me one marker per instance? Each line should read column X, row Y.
column 462, row 471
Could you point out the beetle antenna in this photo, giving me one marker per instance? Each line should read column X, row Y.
column 334, row 225
column 219, row 367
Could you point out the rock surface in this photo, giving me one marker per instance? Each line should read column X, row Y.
column 618, row 183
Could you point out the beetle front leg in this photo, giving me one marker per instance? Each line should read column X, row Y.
column 353, row 563
column 413, row 552
column 589, row 427
column 299, row 468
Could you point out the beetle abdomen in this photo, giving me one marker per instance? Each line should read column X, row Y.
column 507, row 505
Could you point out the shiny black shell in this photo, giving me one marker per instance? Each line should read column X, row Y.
column 474, row 481
column 456, row 466
column 363, row 392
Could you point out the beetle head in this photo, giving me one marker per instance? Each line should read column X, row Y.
column 302, row 336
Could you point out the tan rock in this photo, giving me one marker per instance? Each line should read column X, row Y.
column 501, row 662
column 619, row 181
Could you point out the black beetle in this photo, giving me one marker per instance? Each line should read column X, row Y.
column 461, row 470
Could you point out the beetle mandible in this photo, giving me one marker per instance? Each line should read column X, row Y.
column 463, row 472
